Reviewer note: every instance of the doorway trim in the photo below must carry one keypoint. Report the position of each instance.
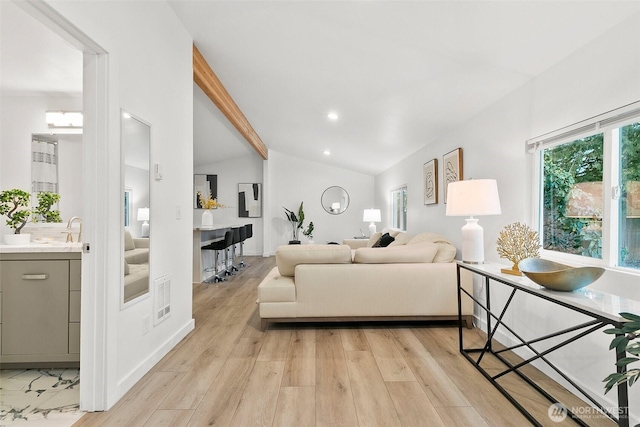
(94, 303)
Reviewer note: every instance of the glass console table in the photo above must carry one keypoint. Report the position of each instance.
(602, 310)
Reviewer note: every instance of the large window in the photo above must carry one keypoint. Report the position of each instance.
(572, 197)
(629, 215)
(589, 201)
(399, 208)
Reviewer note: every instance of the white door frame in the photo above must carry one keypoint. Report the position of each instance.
(93, 351)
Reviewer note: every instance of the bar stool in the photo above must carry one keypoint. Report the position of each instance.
(218, 246)
(243, 237)
(248, 233)
(236, 239)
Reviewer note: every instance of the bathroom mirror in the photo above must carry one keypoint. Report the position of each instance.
(136, 141)
(335, 200)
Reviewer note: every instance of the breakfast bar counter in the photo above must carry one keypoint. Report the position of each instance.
(203, 236)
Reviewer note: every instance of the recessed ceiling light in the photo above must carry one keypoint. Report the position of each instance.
(126, 115)
(332, 115)
(327, 152)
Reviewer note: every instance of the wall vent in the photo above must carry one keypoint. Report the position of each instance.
(162, 298)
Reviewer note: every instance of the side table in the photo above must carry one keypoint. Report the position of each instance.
(600, 312)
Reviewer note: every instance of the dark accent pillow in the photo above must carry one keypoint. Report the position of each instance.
(383, 241)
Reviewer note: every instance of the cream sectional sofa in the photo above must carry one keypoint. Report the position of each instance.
(136, 266)
(413, 279)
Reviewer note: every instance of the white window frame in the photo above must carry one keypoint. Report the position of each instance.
(393, 212)
(607, 124)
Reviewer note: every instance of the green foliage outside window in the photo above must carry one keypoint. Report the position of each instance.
(564, 166)
(581, 161)
(629, 232)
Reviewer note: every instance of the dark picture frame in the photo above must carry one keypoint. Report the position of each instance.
(205, 184)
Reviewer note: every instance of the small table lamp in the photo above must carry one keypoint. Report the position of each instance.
(372, 216)
(143, 215)
(473, 197)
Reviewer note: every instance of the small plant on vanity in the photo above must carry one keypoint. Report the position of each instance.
(12, 204)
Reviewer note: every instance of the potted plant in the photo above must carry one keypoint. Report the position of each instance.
(626, 340)
(309, 232)
(43, 211)
(12, 204)
(296, 223)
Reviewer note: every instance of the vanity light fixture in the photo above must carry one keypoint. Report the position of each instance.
(64, 122)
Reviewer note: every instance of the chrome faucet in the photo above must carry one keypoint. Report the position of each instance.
(69, 235)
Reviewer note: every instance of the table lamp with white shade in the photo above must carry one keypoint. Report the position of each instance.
(372, 216)
(143, 215)
(473, 197)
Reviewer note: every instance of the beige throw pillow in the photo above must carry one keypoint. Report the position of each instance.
(128, 241)
(373, 239)
(401, 238)
(446, 249)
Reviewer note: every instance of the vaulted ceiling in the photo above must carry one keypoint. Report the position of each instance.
(399, 74)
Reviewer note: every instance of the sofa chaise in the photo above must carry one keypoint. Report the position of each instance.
(136, 266)
(413, 278)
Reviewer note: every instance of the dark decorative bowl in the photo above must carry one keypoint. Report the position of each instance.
(559, 277)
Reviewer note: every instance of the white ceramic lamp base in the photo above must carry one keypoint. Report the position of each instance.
(372, 229)
(145, 229)
(472, 242)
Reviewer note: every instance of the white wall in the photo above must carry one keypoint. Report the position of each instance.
(603, 75)
(22, 116)
(149, 74)
(231, 172)
(137, 180)
(290, 180)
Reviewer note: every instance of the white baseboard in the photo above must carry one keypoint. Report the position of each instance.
(139, 371)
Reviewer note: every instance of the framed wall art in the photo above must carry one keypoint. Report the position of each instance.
(430, 182)
(250, 200)
(207, 185)
(452, 168)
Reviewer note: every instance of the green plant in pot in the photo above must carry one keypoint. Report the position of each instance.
(309, 232)
(13, 205)
(43, 211)
(626, 340)
(296, 221)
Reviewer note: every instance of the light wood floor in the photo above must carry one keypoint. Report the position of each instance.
(229, 373)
